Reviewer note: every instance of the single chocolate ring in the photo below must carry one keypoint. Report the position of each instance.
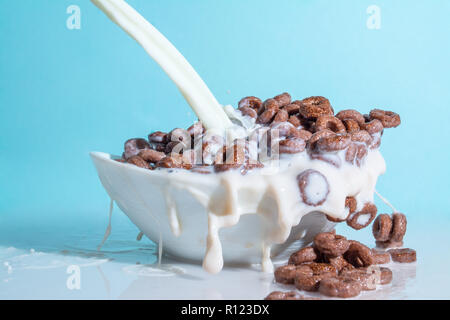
(330, 122)
(333, 143)
(285, 274)
(317, 136)
(382, 227)
(352, 115)
(351, 125)
(247, 111)
(138, 161)
(363, 218)
(389, 119)
(380, 257)
(313, 107)
(339, 287)
(251, 102)
(398, 227)
(331, 244)
(308, 181)
(404, 255)
(292, 145)
(307, 254)
(283, 99)
(359, 255)
(373, 126)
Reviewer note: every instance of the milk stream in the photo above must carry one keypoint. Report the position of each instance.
(191, 86)
(386, 202)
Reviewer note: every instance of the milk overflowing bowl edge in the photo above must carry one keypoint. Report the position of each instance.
(258, 224)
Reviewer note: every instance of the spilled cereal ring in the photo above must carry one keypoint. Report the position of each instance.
(382, 227)
(398, 227)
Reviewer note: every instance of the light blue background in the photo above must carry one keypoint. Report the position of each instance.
(65, 92)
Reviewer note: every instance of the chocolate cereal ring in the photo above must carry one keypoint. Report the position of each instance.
(251, 102)
(321, 268)
(361, 136)
(374, 126)
(158, 137)
(382, 227)
(305, 279)
(313, 107)
(289, 295)
(351, 125)
(169, 162)
(365, 278)
(359, 255)
(247, 111)
(309, 275)
(281, 116)
(303, 255)
(313, 186)
(389, 244)
(355, 154)
(404, 255)
(285, 129)
(266, 116)
(151, 155)
(138, 161)
(270, 104)
(376, 140)
(363, 218)
(350, 203)
(398, 227)
(283, 99)
(340, 287)
(351, 152)
(302, 134)
(330, 122)
(285, 274)
(361, 153)
(389, 119)
(380, 257)
(276, 295)
(292, 108)
(317, 136)
(352, 115)
(333, 143)
(331, 244)
(294, 120)
(133, 146)
(291, 145)
(339, 263)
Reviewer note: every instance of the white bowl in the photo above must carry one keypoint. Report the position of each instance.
(140, 194)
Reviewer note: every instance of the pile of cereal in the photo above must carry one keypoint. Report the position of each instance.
(337, 267)
(307, 125)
